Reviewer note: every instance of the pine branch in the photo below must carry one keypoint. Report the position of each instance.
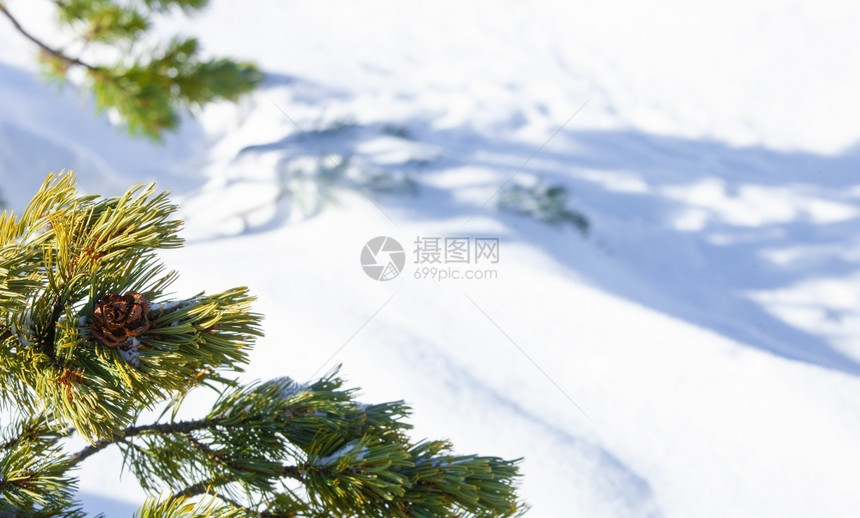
(147, 88)
(132, 431)
(94, 301)
(45, 47)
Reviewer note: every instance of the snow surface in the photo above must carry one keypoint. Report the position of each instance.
(696, 355)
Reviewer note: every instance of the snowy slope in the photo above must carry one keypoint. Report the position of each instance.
(696, 355)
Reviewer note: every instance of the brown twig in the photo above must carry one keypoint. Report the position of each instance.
(50, 50)
(50, 335)
(132, 431)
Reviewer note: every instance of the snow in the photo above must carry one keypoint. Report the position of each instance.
(348, 448)
(288, 387)
(707, 326)
(131, 352)
(167, 307)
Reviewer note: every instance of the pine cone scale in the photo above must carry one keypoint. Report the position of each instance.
(116, 318)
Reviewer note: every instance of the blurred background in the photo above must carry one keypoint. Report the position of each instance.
(671, 323)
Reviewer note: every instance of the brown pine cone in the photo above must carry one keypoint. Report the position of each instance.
(117, 318)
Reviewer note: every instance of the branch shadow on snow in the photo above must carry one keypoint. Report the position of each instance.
(687, 227)
(724, 237)
(693, 228)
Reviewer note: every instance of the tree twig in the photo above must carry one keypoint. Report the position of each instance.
(132, 431)
(50, 50)
(261, 514)
(200, 488)
(293, 472)
(51, 333)
(204, 486)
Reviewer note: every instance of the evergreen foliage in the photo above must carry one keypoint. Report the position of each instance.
(146, 85)
(71, 263)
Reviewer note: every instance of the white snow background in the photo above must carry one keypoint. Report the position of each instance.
(696, 355)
